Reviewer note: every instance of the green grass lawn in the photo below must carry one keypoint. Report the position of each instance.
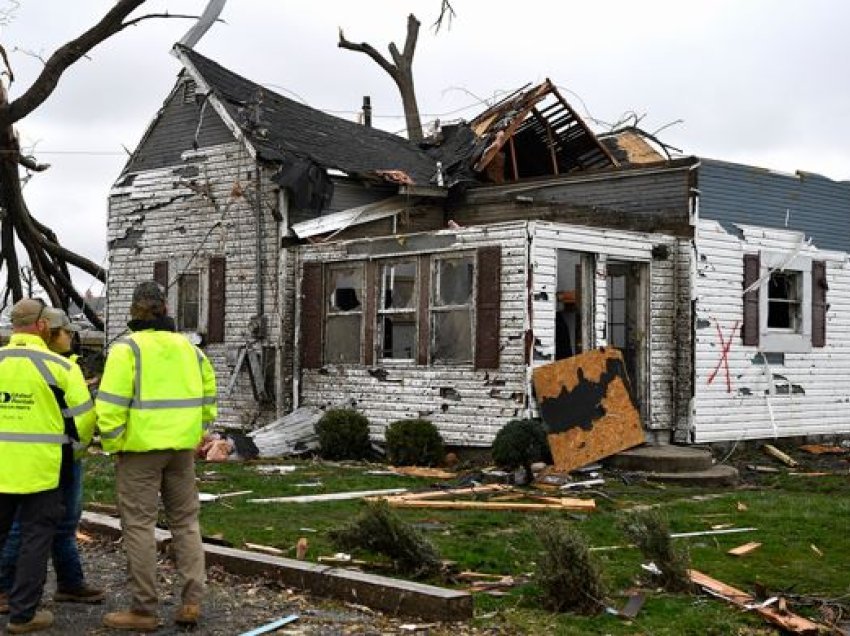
(792, 514)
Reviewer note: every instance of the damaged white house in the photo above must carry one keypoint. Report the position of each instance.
(323, 263)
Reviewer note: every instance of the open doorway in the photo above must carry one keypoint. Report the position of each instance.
(573, 304)
(627, 322)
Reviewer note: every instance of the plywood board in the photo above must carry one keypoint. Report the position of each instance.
(585, 402)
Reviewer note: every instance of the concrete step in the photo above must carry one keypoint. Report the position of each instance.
(662, 458)
(718, 475)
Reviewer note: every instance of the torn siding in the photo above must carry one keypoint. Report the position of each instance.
(468, 406)
(777, 393)
(168, 220)
(668, 293)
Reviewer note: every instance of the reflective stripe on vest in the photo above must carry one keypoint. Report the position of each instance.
(114, 433)
(86, 406)
(35, 438)
(39, 359)
(136, 402)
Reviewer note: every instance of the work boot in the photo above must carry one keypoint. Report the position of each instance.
(131, 621)
(81, 594)
(41, 620)
(4, 603)
(188, 614)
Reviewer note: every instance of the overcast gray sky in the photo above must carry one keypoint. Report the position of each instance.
(760, 82)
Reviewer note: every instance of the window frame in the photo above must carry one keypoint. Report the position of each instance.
(381, 312)
(470, 306)
(328, 312)
(781, 339)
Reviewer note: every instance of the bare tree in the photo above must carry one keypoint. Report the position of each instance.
(48, 258)
(400, 69)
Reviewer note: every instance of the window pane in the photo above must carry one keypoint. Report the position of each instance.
(342, 340)
(452, 336)
(399, 336)
(188, 301)
(399, 285)
(784, 306)
(454, 281)
(346, 288)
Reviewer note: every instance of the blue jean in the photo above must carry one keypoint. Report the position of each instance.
(66, 557)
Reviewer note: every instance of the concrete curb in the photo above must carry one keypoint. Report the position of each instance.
(388, 595)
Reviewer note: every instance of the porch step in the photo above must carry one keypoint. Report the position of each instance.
(662, 458)
(682, 465)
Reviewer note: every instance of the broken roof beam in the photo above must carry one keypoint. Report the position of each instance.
(339, 221)
(545, 123)
(584, 126)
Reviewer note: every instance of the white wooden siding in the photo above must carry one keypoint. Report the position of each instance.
(753, 407)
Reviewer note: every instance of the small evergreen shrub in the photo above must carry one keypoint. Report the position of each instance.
(649, 531)
(414, 443)
(567, 573)
(380, 530)
(520, 443)
(343, 434)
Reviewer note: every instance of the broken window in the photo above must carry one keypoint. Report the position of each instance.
(188, 301)
(785, 301)
(397, 311)
(451, 309)
(572, 309)
(344, 311)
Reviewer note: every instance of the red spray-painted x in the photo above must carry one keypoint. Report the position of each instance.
(724, 355)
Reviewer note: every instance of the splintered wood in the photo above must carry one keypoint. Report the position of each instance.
(587, 408)
(434, 499)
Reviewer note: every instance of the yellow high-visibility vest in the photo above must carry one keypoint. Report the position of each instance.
(157, 392)
(43, 397)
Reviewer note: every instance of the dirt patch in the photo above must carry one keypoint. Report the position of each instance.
(233, 604)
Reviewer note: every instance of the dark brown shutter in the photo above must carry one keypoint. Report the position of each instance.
(424, 318)
(750, 330)
(370, 312)
(215, 304)
(819, 287)
(311, 316)
(487, 306)
(160, 273)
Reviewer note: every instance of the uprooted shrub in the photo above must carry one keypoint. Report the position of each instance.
(567, 573)
(520, 443)
(380, 530)
(650, 532)
(343, 434)
(414, 443)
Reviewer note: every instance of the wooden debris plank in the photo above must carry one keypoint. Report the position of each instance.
(436, 494)
(823, 449)
(423, 471)
(771, 450)
(585, 402)
(565, 504)
(746, 548)
(332, 496)
(788, 621)
(256, 547)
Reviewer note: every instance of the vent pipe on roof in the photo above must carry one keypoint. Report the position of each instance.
(367, 111)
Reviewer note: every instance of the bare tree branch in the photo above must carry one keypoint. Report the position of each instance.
(369, 50)
(447, 13)
(30, 164)
(6, 64)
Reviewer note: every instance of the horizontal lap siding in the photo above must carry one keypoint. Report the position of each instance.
(745, 411)
(669, 329)
(468, 406)
(165, 219)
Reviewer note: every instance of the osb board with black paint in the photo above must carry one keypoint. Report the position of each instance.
(587, 408)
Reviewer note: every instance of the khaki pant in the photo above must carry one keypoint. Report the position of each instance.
(141, 478)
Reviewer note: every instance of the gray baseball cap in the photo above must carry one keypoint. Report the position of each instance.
(58, 319)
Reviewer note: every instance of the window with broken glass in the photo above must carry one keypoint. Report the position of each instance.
(451, 309)
(344, 311)
(397, 310)
(188, 301)
(785, 301)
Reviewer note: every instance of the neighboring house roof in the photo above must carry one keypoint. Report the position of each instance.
(284, 130)
(813, 204)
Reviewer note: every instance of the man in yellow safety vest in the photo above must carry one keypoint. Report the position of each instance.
(44, 407)
(157, 395)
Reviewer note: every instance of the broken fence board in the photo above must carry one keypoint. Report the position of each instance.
(788, 621)
(565, 504)
(332, 496)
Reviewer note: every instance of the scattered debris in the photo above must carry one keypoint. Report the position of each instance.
(786, 620)
(276, 469)
(222, 447)
(273, 626)
(82, 537)
(433, 499)
(332, 496)
(650, 531)
(422, 471)
(676, 535)
(771, 450)
(570, 393)
(823, 449)
(266, 549)
(763, 469)
(577, 485)
(301, 548)
(741, 506)
(293, 434)
(744, 549)
(816, 550)
(633, 606)
(309, 484)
